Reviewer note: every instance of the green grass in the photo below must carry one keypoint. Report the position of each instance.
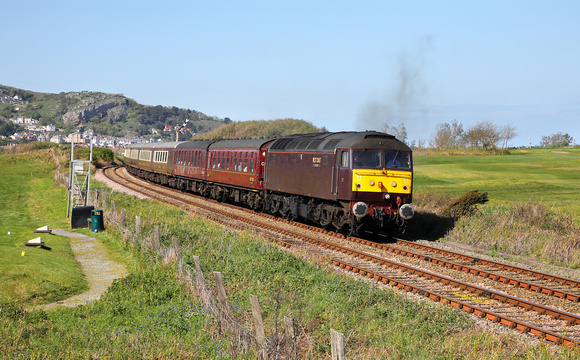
(150, 315)
(531, 175)
(28, 200)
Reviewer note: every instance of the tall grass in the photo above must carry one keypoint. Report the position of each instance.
(528, 229)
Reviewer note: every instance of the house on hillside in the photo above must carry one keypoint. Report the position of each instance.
(58, 139)
(76, 138)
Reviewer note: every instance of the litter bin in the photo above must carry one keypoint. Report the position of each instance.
(96, 220)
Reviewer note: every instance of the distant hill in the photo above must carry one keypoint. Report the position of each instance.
(106, 114)
(260, 129)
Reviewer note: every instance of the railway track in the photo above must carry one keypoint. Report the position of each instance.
(544, 305)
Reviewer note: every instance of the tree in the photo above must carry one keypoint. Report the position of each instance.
(400, 132)
(556, 140)
(8, 128)
(507, 133)
(448, 136)
(483, 135)
(6, 110)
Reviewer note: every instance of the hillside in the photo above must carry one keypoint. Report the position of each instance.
(106, 114)
(260, 129)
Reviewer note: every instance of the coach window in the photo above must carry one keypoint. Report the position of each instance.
(252, 165)
(228, 162)
(245, 165)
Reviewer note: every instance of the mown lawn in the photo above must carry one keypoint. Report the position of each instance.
(29, 200)
(548, 176)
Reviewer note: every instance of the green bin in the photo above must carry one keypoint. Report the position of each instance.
(96, 220)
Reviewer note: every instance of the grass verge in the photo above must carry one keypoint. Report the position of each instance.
(28, 200)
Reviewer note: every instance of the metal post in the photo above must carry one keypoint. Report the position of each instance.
(70, 182)
(88, 200)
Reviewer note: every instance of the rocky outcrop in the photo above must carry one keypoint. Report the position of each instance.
(88, 108)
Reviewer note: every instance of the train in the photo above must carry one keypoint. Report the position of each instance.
(348, 182)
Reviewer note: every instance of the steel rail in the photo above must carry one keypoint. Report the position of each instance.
(522, 284)
(519, 270)
(470, 309)
(571, 319)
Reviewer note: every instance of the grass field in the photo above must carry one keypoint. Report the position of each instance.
(28, 200)
(149, 315)
(547, 176)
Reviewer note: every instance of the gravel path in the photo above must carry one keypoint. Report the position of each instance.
(100, 270)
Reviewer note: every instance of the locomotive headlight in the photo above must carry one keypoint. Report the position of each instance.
(358, 186)
(387, 196)
(394, 184)
(405, 188)
(371, 183)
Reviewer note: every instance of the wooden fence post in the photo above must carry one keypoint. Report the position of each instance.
(155, 237)
(113, 208)
(258, 322)
(123, 218)
(175, 246)
(290, 335)
(200, 281)
(337, 345)
(137, 225)
(225, 308)
(104, 199)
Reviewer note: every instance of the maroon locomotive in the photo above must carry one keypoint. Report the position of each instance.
(346, 181)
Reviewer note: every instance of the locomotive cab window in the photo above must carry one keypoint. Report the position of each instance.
(397, 159)
(366, 159)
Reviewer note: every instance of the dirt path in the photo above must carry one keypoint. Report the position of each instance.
(100, 270)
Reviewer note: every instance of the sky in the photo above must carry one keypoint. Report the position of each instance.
(343, 65)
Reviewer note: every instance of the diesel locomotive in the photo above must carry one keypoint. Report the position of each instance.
(343, 181)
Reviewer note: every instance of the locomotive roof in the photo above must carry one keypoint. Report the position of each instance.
(329, 141)
(240, 144)
(198, 144)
